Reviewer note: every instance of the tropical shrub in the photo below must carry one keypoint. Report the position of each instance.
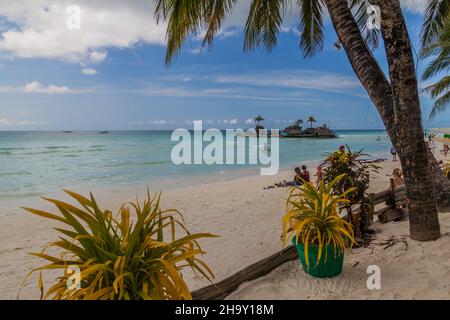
(355, 170)
(312, 217)
(131, 256)
(356, 173)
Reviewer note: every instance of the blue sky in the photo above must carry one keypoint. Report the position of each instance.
(110, 74)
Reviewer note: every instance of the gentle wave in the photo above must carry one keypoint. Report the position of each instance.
(49, 151)
(135, 164)
(57, 147)
(17, 173)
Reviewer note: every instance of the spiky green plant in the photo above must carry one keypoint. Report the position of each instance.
(312, 216)
(125, 257)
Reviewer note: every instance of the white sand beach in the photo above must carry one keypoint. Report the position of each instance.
(248, 219)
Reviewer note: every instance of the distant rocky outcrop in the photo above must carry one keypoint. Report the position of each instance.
(296, 132)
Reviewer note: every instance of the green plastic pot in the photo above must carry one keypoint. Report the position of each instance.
(327, 268)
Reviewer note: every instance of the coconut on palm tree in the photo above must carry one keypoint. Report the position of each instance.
(440, 50)
(311, 120)
(395, 96)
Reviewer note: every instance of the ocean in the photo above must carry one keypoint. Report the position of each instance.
(36, 163)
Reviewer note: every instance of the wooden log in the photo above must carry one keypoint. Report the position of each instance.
(400, 192)
(392, 215)
(382, 197)
(225, 287)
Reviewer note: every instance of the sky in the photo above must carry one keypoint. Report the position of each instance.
(109, 74)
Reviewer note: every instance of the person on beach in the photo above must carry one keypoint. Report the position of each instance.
(298, 177)
(394, 154)
(305, 174)
(397, 174)
(297, 181)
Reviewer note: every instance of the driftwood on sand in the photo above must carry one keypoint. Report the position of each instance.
(225, 287)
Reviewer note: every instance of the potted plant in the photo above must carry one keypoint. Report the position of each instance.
(319, 233)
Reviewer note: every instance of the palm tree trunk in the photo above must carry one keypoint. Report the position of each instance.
(424, 223)
(413, 152)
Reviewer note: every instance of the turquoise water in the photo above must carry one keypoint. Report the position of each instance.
(32, 163)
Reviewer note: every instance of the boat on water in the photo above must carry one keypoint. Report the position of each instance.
(103, 132)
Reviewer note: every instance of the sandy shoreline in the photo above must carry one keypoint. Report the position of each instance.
(246, 216)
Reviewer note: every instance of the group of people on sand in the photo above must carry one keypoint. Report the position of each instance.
(301, 176)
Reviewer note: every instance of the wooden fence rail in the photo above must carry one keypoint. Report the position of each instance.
(261, 268)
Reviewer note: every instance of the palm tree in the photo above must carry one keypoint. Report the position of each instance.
(440, 49)
(298, 123)
(396, 98)
(311, 120)
(258, 119)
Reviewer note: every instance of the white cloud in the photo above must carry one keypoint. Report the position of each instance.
(414, 6)
(96, 56)
(297, 79)
(7, 122)
(89, 71)
(234, 121)
(196, 51)
(249, 121)
(41, 28)
(37, 87)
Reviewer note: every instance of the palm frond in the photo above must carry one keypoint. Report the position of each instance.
(215, 12)
(440, 104)
(438, 88)
(437, 12)
(361, 9)
(311, 26)
(263, 23)
(184, 17)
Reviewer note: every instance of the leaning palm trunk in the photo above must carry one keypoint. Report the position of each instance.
(402, 120)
